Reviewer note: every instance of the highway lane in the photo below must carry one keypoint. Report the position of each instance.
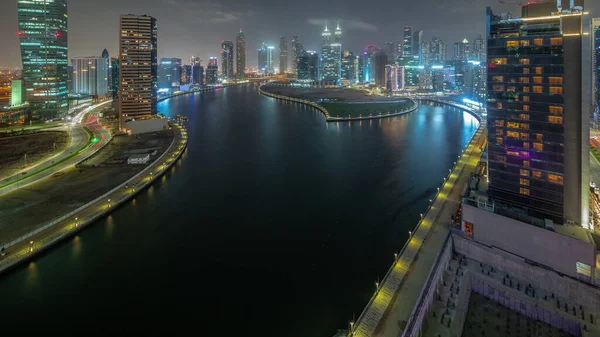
(74, 153)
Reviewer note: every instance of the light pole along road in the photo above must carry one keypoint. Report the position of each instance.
(85, 140)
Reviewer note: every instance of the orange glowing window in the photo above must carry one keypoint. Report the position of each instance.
(526, 163)
(539, 70)
(524, 79)
(499, 122)
(498, 78)
(556, 109)
(525, 89)
(555, 178)
(526, 145)
(524, 61)
(539, 137)
(555, 119)
(524, 191)
(512, 153)
(469, 228)
(538, 42)
(499, 60)
(556, 90)
(556, 41)
(555, 80)
(537, 89)
(537, 174)
(524, 173)
(512, 43)
(524, 182)
(525, 71)
(513, 134)
(537, 79)
(499, 132)
(511, 89)
(498, 87)
(525, 98)
(526, 108)
(524, 135)
(524, 43)
(499, 140)
(499, 105)
(538, 146)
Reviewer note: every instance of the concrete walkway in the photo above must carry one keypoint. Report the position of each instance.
(389, 310)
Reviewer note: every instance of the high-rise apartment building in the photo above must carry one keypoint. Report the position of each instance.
(43, 41)
(240, 56)
(297, 50)
(195, 66)
(18, 96)
(90, 76)
(138, 73)
(227, 60)
(106, 58)
(407, 45)
(169, 73)
(212, 71)
(537, 129)
(394, 76)
(283, 55)
(461, 50)
(270, 60)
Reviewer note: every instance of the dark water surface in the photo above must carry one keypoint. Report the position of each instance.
(274, 223)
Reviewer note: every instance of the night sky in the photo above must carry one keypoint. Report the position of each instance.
(188, 27)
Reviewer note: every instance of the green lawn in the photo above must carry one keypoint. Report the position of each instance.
(365, 109)
(595, 153)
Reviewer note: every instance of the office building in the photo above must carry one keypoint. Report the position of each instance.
(227, 60)
(114, 70)
(194, 65)
(138, 73)
(390, 50)
(461, 51)
(283, 55)
(479, 50)
(308, 66)
(262, 59)
(437, 51)
(331, 55)
(348, 66)
(380, 62)
(474, 81)
(106, 56)
(538, 135)
(297, 50)
(18, 95)
(186, 74)
(595, 46)
(169, 73)
(212, 71)
(240, 56)
(43, 41)
(90, 76)
(394, 77)
(417, 40)
(425, 58)
(270, 60)
(407, 45)
(412, 68)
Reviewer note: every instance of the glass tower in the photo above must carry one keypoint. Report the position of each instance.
(537, 144)
(240, 56)
(407, 45)
(43, 40)
(283, 55)
(227, 60)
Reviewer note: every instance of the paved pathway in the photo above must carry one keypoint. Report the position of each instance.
(97, 208)
(388, 311)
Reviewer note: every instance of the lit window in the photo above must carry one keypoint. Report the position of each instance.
(512, 43)
(524, 182)
(539, 70)
(499, 140)
(539, 137)
(556, 90)
(499, 132)
(556, 109)
(499, 60)
(513, 134)
(538, 42)
(498, 87)
(524, 173)
(499, 122)
(525, 89)
(538, 146)
(524, 79)
(524, 116)
(525, 98)
(555, 119)
(555, 80)
(537, 89)
(499, 105)
(537, 79)
(512, 153)
(498, 78)
(526, 163)
(511, 89)
(524, 61)
(556, 41)
(526, 145)
(524, 135)
(555, 178)
(525, 71)
(526, 108)
(524, 191)
(536, 174)
(524, 43)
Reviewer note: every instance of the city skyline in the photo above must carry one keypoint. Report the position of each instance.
(177, 39)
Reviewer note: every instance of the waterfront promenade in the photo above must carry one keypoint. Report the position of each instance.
(37, 241)
(388, 310)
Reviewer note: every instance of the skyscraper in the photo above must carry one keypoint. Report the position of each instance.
(538, 132)
(296, 51)
(194, 67)
(416, 43)
(138, 71)
(270, 60)
(332, 55)
(90, 76)
(169, 73)
(595, 35)
(308, 66)
(407, 45)
(212, 71)
(438, 51)
(348, 64)
(479, 50)
(394, 76)
(115, 71)
(283, 55)
(43, 40)
(240, 56)
(227, 60)
(461, 51)
(106, 58)
(262, 59)
(380, 62)
(390, 50)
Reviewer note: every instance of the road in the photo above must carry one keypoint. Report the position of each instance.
(79, 148)
(72, 222)
(388, 311)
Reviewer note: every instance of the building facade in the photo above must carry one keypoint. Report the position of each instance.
(538, 137)
(417, 41)
(348, 66)
(240, 56)
(227, 60)
(43, 41)
(283, 55)
(114, 70)
(308, 66)
(138, 73)
(212, 71)
(331, 63)
(297, 50)
(169, 73)
(437, 51)
(90, 76)
(407, 45)
(394, 78)
(380, 62)
(461, 50)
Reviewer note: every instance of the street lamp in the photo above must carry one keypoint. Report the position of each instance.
(31, 246)
(409, 234)
(76, 223)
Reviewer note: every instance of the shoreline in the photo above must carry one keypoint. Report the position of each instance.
(24, 254)
(324, 111)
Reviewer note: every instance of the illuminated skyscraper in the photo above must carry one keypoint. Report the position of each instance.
(270, 60)
(283, 55)
(538, 135)
(416, 43)
(394, 76)
(297, 50)
(381, 61)
(169, 73)
(407, 45)
(595, 35)
(332, 55)
(479, 50)
(262, 59)
(308, 66)
(212, 71)
(348, 64)
(90, 76)
(43, 40)
(390, 50)
(438, 51)
(227, 60)
(240, 56)
(114, 70)
(461, 51)
(138, 71)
